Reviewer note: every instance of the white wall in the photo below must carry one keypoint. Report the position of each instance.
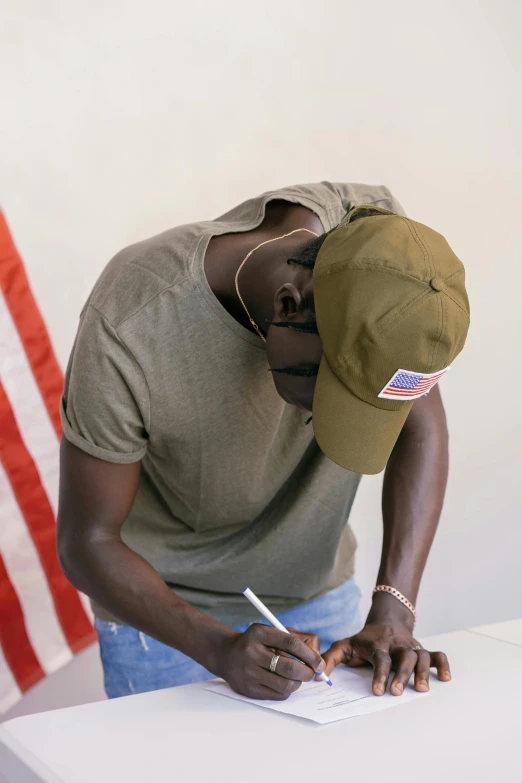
(122, 118)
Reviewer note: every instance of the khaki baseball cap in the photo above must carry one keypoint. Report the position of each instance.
(392, 314)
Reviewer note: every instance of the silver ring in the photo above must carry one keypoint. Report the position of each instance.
(417, 648)
(273, 663)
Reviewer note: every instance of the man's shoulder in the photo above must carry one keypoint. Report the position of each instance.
(350, 194)
(331, 200)
(141, 271)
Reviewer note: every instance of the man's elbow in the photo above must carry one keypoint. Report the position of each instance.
(71, 552)
(66, 557)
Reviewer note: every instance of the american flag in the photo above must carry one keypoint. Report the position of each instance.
(44, 621)
(408, 385)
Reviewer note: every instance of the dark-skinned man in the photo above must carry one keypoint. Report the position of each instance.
(189, 466)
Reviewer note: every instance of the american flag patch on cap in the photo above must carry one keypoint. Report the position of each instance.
(408, 385)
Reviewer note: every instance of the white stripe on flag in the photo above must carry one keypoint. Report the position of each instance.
(10, 693)
(87, 606)
(26, 402)
(29, 581)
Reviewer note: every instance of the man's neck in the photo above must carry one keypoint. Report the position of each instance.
(226, 252)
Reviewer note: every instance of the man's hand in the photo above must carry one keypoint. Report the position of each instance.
(244, 661)
(386, 647)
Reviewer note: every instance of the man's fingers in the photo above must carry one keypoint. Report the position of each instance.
(310, 639)
(381, 671)
(289, 668)
(405, 661)
(440, 661)
(339, 652)
(272, 637)
(275, 682)
(422, 671)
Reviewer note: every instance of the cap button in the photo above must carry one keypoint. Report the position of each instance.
(437, 284)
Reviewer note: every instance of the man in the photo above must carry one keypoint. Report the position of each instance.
(189, 472)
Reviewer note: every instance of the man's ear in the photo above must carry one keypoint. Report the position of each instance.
(288, 302)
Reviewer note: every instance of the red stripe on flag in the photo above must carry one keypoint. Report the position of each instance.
(427, 383)
(16, 646)
(414, 389)
(30, 326)
(401, 393)
(39, 518)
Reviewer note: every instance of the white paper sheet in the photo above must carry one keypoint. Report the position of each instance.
(350, 695)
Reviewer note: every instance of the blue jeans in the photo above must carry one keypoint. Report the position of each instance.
(135, 663)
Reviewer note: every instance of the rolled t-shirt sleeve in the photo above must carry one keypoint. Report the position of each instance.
(105, 407)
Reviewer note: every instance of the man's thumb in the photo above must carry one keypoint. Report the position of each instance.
(339, 652)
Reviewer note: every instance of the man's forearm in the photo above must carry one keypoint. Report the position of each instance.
(413, 494)
(127, 586)
(413, 491)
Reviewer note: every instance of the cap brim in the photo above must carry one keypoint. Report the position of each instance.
(353, 434)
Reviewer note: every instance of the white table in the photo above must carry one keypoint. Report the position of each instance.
(468, 730)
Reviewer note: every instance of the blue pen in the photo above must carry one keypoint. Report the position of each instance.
(252, 597)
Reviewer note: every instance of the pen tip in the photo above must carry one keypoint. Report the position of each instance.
(244, 590)
(330, 682)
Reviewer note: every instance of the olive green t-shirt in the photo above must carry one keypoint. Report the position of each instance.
(234, 490)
